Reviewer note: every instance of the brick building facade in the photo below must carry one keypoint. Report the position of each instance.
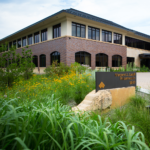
(73, 36)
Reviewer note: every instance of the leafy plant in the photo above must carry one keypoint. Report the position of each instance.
(12, 66)
(26, 65)
(50, 125)
(56, 69)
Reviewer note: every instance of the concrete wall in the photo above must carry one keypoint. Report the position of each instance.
(134, 52)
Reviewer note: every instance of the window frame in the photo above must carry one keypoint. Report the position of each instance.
(58, 30)
(35, 58)
(106, 38)
(36, 37)
(80, 26)
(103, 55)
(44, 35)
(116, 63)
(24, 42)
(10, 43)
(93, 28)
(41, 61)
(14, 42)
(84, 54)
(19, 42)
(29, 36)
(136, 43)
(56, 56)
(117, 35)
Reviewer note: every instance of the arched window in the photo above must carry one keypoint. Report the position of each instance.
(42, 60)
(83, 58)
(55, 56)
(35, 60)
(101, 60)
(116, 61)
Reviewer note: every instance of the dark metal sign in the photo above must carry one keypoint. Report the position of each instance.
(109, 80)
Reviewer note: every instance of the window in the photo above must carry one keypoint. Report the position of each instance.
(42, 60)
(130, 61)
(93, 33)
(78, 30)
(101, 60)
(55, 56)
(10, 45)
(57, 31)
(35, 60)
(106, 36)
(131, 42)
(14, 43)
(30, 39)
(44, 35)
(19, 43)
(116, 61)
(24, 41)
(117, 38)
(83, 58)
(36, 37)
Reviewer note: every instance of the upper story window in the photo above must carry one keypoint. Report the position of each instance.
(106, 36)
(10, 45)
(36, 37)
(57, 31)
(24, 41)
(117, 38)
(44, 35)
(14, 43)
(131, 42)
(30, 39)
(93, 33)
(19, 43)
(78, 30)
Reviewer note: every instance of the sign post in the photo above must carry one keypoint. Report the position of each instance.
(109, 80)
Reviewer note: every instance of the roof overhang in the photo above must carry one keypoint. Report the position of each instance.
(70, 13)
(144, 56)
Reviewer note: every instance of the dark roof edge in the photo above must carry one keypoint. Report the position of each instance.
(33, 24)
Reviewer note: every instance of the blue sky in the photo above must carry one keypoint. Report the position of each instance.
(17, 14)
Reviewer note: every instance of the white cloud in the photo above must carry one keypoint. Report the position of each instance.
(15, 15)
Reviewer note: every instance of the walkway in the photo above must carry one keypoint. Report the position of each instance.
(143, 80)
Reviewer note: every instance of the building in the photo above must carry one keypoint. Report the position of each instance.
(73, 36)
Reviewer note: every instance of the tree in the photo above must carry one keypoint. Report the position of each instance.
(12, 65)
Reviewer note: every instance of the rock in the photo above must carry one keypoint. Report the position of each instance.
(95, 100)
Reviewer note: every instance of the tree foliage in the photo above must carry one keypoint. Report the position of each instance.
(13, 65)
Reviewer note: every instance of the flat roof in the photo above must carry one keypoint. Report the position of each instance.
(83, 15)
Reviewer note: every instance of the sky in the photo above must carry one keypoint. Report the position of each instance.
(17, 14)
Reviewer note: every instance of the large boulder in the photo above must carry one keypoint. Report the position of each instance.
(95, 100)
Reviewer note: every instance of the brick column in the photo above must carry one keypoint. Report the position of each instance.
(93, 61)
(109, 60)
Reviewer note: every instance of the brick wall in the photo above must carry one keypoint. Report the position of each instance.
(68, 46)
(94, 47)
(47, 48)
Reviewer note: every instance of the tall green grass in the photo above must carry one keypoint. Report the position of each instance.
(47, 124)
(134, 113)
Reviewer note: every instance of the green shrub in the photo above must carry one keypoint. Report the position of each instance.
(137, 101)
(144, 69)
(56, 69)
(78, 68)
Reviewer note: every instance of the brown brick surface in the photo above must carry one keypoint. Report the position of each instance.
(67, 47)
(94, 47)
